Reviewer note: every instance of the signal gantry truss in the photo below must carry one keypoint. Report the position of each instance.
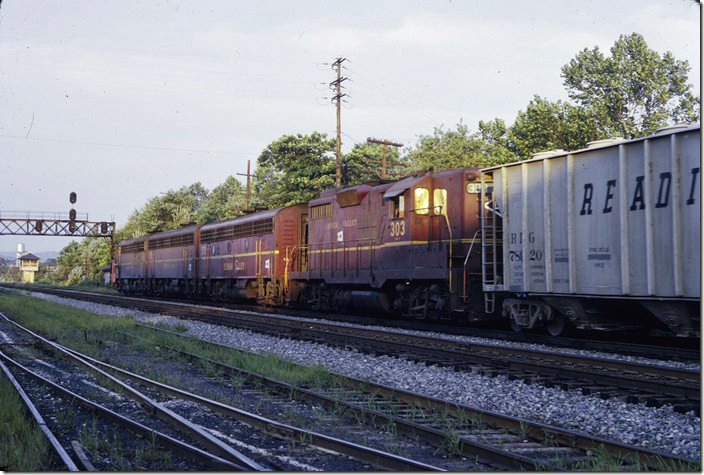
(29, 225)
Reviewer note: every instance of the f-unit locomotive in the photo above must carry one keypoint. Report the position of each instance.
(606, 238)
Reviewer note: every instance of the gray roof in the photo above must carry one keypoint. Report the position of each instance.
(29, 257)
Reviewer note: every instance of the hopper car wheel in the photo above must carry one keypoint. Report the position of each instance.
(515, 326)
(558, 326)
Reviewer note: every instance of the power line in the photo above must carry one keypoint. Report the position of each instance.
(353, 139)
(390, 94)
(144, 147)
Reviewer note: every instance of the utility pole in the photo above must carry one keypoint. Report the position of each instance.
(337, 84)
(384, 142)
(246, 196)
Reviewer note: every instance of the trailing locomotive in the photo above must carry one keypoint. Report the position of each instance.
(226, 260)
(602, 238)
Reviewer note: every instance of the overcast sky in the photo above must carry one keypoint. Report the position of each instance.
(121, 100)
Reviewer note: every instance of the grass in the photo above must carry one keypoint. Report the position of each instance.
(88, 285)
(23, 447)
(267, 365)
(453, 442)
(26, 449)
(66, 417)
(87, 332)
(103, 445)
(602, 461)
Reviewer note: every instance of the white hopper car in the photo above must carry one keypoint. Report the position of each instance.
(604, 238)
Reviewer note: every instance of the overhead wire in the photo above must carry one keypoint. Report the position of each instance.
(143, 147)
(384, 90)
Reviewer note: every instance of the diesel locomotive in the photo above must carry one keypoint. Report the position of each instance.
(601, 238)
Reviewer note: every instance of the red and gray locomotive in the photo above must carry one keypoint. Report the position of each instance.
(606, 237)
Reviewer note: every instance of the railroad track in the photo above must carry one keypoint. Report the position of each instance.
(218, 454)
(496, 441)
(636, 383)
(70, 407)
(679, 349)
(494, 438)
(652, 347)
(662, 347)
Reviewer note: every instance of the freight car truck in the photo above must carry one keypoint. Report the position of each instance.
(605, 238)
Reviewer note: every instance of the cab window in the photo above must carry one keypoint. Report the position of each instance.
(396, 207)
(421, 200)
(440, 201)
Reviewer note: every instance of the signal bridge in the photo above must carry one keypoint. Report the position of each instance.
(43, 223)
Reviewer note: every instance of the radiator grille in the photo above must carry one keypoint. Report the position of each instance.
(236, 231)
(132, 248)
(171, 241)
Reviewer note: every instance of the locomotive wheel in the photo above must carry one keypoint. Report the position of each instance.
(558, 326)
(419, 304)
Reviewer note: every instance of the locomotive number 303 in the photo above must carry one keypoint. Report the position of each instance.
(398, 228)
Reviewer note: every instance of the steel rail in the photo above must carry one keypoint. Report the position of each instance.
(213, 461)
(378, 458)
(607, 345)
(212, 443)
(50, 437)
(437, 437)
(534, 430)
(416, 340)
(663, 380)
(581, 367)
(680, 383)
(643, 350)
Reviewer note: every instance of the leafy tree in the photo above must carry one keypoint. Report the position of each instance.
(69, 258)
(80, 261)
(495, 141)
(294, 169)
(634, 91)
(363, 163)
(546, 125)
(225, 201)
(131, 228)
(9, 274)
(169, 211)
(446, 149)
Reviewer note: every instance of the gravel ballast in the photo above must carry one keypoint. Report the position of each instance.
(655, 428)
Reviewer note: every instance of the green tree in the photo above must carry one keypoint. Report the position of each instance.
(446, 149)
(495, 142)
(69, 258)
(294, 169)
(546, 125)
(131, 228)
(80, 261)
(634, 91)
(169, 211)
(225, 201)
(363, 163)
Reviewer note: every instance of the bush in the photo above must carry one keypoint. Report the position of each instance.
(76, 276)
